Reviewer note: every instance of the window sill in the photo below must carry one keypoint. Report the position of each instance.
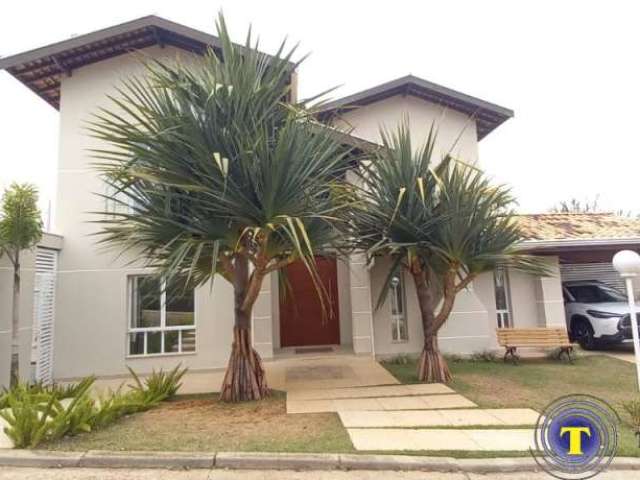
(157, 355)
(400, 341)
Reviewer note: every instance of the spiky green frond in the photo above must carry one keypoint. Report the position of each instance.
(213, 161)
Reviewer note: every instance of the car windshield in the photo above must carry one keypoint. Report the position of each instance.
(595, 294)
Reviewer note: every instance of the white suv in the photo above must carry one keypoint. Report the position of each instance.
(597, 314)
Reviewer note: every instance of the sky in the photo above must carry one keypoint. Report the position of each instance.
(569, 70)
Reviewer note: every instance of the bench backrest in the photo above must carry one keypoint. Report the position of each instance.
(538, 337)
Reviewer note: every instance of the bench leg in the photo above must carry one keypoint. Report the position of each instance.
(511, 352)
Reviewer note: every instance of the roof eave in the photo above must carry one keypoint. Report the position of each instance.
(411, 85)
(560, 244)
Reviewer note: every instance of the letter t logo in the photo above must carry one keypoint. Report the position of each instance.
(575, 438)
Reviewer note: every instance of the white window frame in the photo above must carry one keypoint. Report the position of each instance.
(116, 203)
(398, 318)
(162, 328)
(504, 317)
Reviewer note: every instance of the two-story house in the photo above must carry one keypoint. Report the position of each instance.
(88, 302)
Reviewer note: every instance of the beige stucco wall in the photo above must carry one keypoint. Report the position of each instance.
(537, 301)
(92, 316)
(91, 304)
(456, 131)
(469, 329)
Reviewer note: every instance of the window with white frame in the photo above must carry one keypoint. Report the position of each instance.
(162, 320)
(399, 329)
(503, 297)
(116, 202)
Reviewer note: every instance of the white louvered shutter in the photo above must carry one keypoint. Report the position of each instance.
(44, 313)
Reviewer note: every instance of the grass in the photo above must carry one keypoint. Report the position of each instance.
(202, 423)
(534, 383)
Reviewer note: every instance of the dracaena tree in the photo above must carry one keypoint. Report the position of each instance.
(440, 220)
(221, 174)
(20, 229)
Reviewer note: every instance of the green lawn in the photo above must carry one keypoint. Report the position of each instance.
(535, 383)
(202, 423)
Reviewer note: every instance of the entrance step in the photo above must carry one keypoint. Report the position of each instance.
(392, 439)
(475, 417)
(370, 392)
(416, 402)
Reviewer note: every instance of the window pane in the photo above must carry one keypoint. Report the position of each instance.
(136, 343)
(188, 340)
(145, 302)
(179, 306)
(154, 342)
(171, 340)
(404, 335)
(501, 285)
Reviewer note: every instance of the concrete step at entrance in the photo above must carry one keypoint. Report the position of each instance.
(439, 418)
(391, 439)
(416, 402)
(370, 392)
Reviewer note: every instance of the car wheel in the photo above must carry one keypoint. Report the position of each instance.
(582, 331)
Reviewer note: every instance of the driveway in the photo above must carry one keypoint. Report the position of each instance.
(621, 352)
(8, 473)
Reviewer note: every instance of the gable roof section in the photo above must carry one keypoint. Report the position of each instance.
(41, 69)
(488, 116)
(584, 228)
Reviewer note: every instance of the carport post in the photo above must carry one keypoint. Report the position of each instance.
(627, 263)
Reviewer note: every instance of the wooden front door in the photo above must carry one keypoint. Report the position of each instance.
(301, 319)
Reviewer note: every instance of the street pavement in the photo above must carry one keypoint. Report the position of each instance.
(11, 473)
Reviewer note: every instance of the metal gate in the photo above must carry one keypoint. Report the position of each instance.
(44, 314)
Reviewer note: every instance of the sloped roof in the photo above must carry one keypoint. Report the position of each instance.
(41, 69)
(546, 227)
(488, 115)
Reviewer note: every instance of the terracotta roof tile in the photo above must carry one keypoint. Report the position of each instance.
(578, 226)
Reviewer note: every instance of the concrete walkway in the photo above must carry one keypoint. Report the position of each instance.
(507, 417)
(302, 372)
(433, 439)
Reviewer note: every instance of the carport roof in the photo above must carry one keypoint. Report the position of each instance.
(576, 231)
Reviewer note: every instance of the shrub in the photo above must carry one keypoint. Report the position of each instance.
(28, 416)
(483, 356)
(401, 359)
(632, 407)
(158, 386)
(37, 413)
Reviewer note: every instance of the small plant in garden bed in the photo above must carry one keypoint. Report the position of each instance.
(632, 407)
(36, 413)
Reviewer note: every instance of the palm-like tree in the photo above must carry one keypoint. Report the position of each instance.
(440, 220)
(20, 229)
(222, 176)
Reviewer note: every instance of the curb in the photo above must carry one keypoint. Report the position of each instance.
(275, 461)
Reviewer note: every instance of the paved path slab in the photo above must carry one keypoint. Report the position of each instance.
(439, 418)
(418, 402)
(406, 439)
(369, 392)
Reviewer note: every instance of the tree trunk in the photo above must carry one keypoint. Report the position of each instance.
(15, 324)
(245, 377)
(432, 367)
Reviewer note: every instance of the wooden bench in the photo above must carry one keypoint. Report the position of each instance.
(512, 338)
